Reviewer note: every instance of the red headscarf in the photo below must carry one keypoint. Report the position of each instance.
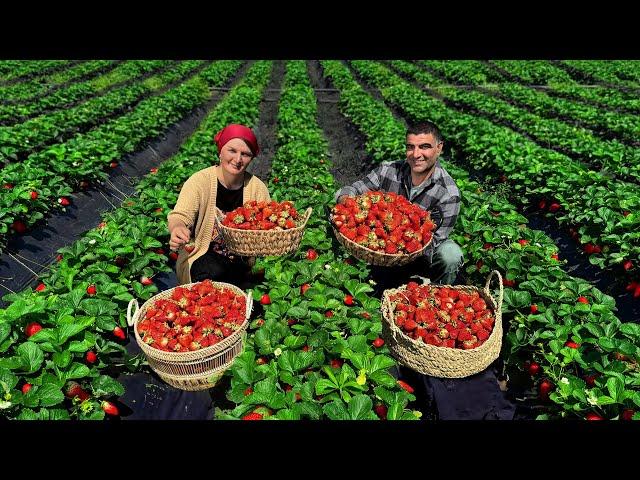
(237, 131)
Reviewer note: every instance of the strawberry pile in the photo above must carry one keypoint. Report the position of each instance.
(442, 316)
(193, 318)
(384, 221)
(271, 215)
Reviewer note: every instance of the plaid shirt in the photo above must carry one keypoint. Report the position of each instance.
(440, 194)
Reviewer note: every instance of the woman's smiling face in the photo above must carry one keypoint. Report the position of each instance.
(235, 156)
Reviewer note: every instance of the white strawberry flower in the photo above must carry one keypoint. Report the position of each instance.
(277, 352)
(92, 241)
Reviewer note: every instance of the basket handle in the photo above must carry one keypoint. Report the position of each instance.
(392, 326)
(501, 288)
(307, 215)
(132, 302)
(249, 304)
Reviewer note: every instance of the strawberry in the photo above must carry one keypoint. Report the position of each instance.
(59, 257)
(405, 386)
(101, 225)
(312, 254)
(590, 380)
(8, 186)
(544, 388)
(366, 315)
(628, 265)
(118, 332)
(253, 415)
(173, 256)
(19, 226)
(73, 390)
(378, 342)
(260, 322)
(261, 361)
(91, 356)
(189, 247)
(304, 288)
(32, 328)
(328, 313)
(523, 242)
(154, 170)
(336, 363)
(381, 411)
(582, 299)
(509, 283)
(624, 214)
(146, 281)
(91, 290)
(83, 184)
(348, 300)
(34, 195)
(248, 391)
(64, 201)
(534, 308)
(554, 207)
(533, 368)
(113, 164)
(627, 414)
(593, 416)
(571, 344)
(542, 204)
(25, 388)
(554, 256)
(109, 408)
(41, 287)
(479, 264)
(265, 299)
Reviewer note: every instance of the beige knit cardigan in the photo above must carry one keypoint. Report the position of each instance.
(196, 206)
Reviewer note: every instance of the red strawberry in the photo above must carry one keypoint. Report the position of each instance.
(583, 299)
(405, 386)
(260, 322)
(118, 332)
(571, 344)
(73, 390)
(381, 411)
(109, 408)
(554, 256)
(252, 416)
(312, 254)
(626, 213)
(41, 287)
(32, 328)
(248, 391)
(275, 180)
(304, 288)
(101, 225)
(306, 348)
(487, 246)
(479, 264)
(533, 368)
(189, 247)
(590, 380)
(8, 186)
(523, 242)
(554, 207)
(265, 299)
(542, 204)
(593, 416)
(378, 342)
(59, 257)
(628, 265)
(154, 170)
(34, 195)
(25, 388)
(91, 356)
(627, 414)
(113, 164)
(91, 290)
(366, 315)
(336, 363)
(19, 226)
(328, 313)
(534, 308)
(173, 256)
(146, 281)
(64, 201)
(544, 388)
(509, 283)
(348, 300)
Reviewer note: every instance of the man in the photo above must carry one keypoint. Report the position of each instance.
(423, 181)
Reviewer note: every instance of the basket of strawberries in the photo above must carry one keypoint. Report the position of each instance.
(191, 334)
(382, 228)
(442, 330)
(263, 228)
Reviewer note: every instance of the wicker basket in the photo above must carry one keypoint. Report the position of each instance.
(198, 370)
(441, 361)
(378, 258)
(260, 243)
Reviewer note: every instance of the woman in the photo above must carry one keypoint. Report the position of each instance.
(226, 186)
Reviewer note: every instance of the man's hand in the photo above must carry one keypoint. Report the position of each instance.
(179, 236)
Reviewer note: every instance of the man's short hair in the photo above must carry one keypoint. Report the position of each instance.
(426, 128)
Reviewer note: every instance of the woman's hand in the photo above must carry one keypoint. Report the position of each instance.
(179, 236)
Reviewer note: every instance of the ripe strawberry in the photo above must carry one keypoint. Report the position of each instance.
(154, 170)
(590, 380)
(534, 308)
(118, 332)
(173, 256)
(261, 361)
(64, 201)
(381, 411)
(336, 363)
(91, 290)
(265, 299)
(328, 313)
(32, 328)
(25, 388)
(554, 256)
(101, 225)
(378, 342)
(593, 416)
(523, 242)
(366, 315)
(554, 207)
(113, 164)
(312, 254)
(304, 288)
(8, 186)
(34, 195)
(542, 204)
(348, 300)
(533, 368)
(405, 386)
(571, 344)
(544, 388)
(248, 391)
(189, 247)
(41, 287)
(628, 265)
(146, 281)
(19, 226)
(252, 416)
(109, 408)
(73, 390)
(509, 283)
(91, 356)
(306, 348)
(487, 246)
(627, 414)
(59, 257)
(626, 213)
(479, 264)
(582, 299)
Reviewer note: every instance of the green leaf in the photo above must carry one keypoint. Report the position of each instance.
(383, 378)
(49, 395)
(287, 361)
(630, 329)
(8, 379)
(5, 330)
(298, 312)
(287, 414)
(358, 343)
(27, 414)
(77, 370)
(517, 298)
(62, 359)
(295, 342)
(96, 307)
(615, 386)
(31, 356)
(65, 332)
(381, 362)
(336, 410)
(360, 408)
(107, 386)
(395, 411)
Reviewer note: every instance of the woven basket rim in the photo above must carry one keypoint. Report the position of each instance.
(239, 231)
(379, 254)
(205, 352)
